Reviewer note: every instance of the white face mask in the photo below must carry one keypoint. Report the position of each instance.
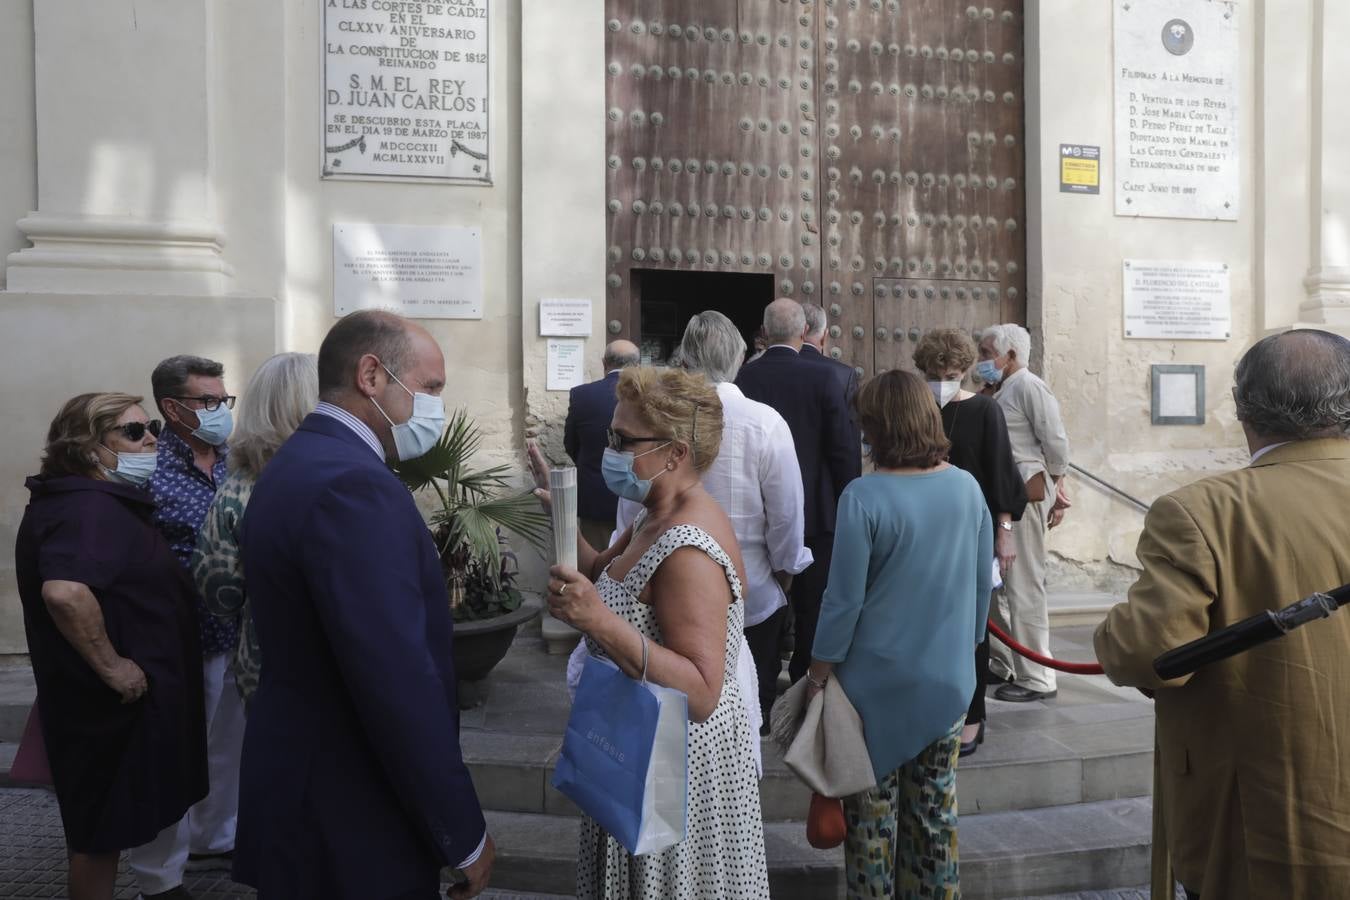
(132, 468)
(420, 433)
(944, 391)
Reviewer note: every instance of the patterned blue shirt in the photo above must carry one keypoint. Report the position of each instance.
(182, 495)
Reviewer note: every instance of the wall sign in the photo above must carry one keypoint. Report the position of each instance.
(405, 89)
(1176, 98)
(566, 364)
(564, 318)
(1183, 301)
(423, 272)
(1080, 169)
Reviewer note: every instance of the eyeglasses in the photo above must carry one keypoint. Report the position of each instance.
(134, 431)
(620, 441)
(209, 403)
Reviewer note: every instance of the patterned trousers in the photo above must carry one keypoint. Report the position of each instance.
(901, 840)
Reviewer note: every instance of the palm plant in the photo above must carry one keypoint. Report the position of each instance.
(475, 505)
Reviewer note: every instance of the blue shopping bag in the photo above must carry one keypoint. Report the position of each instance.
(625, 757)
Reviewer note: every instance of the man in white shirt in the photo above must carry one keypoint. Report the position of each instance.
(757, 481)
(1040, 448)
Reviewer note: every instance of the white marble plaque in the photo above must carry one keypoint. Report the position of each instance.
(564, 318)
(566, 364)
(1176, 142)
(405, 89)
(1176, 395)
(423, 272)
(1177, 300)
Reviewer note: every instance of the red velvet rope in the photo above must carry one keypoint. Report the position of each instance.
(1074, 668)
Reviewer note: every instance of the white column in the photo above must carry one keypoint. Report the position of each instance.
(1328, 281)
(124, 176)
(562, 149)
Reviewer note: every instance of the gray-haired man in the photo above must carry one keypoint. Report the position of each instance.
(1251, 792)
(1041, 450)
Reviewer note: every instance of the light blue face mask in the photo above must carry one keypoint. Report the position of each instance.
(420, 433)
(213, 425)
(616, 466)
(988, 372)
(132, 468)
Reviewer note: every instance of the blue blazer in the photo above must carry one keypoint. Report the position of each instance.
(815, 403)
(589, 411)
(352, 784)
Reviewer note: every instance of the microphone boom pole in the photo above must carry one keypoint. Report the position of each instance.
(1251, 632)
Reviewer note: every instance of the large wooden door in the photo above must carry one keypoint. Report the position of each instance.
(867, 153)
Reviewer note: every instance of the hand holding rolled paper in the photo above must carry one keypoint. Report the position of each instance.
(539, 469)
(562, 490)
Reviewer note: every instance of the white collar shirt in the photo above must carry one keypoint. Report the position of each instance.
(361, 429)
(758, 484)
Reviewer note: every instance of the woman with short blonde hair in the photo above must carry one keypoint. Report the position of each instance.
(677, 403)
(111, 624)
(906, 603)
(668, 593)
(280, 394)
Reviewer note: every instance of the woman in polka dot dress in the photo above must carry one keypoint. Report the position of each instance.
(674, 580)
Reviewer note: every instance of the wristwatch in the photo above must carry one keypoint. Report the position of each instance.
(1006, 526)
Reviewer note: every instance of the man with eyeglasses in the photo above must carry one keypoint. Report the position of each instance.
(191, 396)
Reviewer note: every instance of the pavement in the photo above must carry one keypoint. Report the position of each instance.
(33, 858)
(526, 702)
(33, 861)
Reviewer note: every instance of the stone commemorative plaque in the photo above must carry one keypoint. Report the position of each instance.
(405, 89)
(1177, 300)
(1176, 98)
(418, 271)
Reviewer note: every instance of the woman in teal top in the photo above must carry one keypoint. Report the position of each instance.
(906, 603)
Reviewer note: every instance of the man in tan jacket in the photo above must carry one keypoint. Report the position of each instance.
(1252, 772)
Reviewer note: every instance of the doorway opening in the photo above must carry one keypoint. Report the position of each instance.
(669, 299)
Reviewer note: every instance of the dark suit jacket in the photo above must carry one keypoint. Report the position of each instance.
(589, 411)
(814, 401)
(845, 376)
(352, 784)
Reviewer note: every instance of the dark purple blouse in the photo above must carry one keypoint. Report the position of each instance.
(122, 772)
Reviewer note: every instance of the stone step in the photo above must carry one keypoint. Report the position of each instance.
(1080, 754)
(1013, 854)
(1030, 759)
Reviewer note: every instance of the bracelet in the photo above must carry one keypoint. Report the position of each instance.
(818, 684)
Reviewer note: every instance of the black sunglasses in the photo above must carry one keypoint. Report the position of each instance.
(619, 441)
(134, 431)
(209, 403)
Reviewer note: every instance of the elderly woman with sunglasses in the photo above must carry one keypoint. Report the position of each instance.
(667, 598)
(112, 631)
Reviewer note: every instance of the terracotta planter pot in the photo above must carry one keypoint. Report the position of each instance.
(480, 645)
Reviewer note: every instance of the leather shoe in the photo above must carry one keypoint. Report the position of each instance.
(1015, 693)
(968, 749)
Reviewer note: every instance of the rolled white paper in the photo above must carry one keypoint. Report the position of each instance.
(562, 488)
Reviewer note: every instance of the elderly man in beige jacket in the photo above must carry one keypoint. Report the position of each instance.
(1252, 772)
(1040, 448)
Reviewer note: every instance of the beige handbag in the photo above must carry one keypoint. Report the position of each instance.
(822, 741)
